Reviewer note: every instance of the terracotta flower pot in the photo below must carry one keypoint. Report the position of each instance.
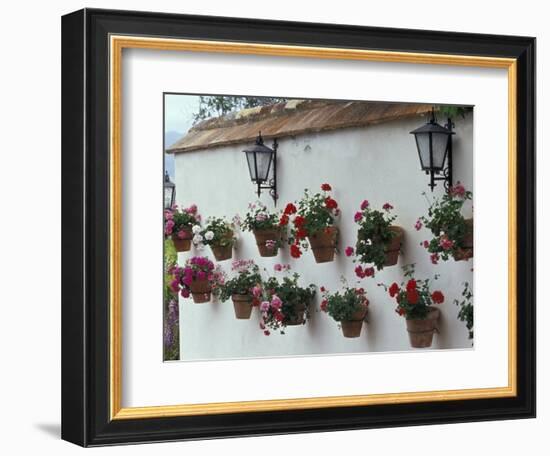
(183, 245)
(421, 332)
(464, 254)
(262, 236)
(392, 249)
(200, 291)
(242, 305)
(352, 328)
(299, 315)
(323, 244)
(225, 252)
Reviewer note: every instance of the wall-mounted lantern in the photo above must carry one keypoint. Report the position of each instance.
(169, 191)
(260, 159)
(435, 145)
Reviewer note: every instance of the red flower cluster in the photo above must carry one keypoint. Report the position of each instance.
(330, 203)
(362, 273)
(290, 209)
(412, 292)
(438, 297)
(393, 290)
(295, 251)
(326, 187)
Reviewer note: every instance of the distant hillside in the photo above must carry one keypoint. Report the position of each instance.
(170, 137)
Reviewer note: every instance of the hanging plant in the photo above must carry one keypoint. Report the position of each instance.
(219, 234)
(199, 278)
(311, 223)
(284, 303)
(178, 225)
(466, 312)
(415, 301)
(265, 227)
(453, 235)
(378, 241)
(348, 307)
(243, 287)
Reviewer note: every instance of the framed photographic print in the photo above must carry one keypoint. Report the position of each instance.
(275, 227)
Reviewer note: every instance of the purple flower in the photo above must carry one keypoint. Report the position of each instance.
(418, 225)
(264, 306)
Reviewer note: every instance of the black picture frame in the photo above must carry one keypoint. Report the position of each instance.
(85, 228)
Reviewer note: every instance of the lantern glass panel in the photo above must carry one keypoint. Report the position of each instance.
(440, 143)
(263, 163)
(168, 196)
(251, 161)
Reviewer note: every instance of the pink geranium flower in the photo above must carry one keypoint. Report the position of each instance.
(358, 216)
(349, 251)
(418, 225)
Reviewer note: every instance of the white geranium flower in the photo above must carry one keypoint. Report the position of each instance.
(209, 235)
(197, 239)
(196, 229)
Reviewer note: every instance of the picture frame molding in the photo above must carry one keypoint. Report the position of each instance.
(92, 43)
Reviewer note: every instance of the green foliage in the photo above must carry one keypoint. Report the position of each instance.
(453, 112)
(342, 305)
(248, 276)
(259, 218)
(374, 235)
(218, 232)
(171, 346)
(466, 312)
(292, 296)
(446, 222)
(218, 105)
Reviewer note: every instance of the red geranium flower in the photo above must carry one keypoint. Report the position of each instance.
(324, 304)
(411, 285)
(387, 206)
(301, 233)
(438, 297)
(394, 289)
(400, 311)
(299, 221)
(326, 187)
(412, 296)
(330, 203)
(290, 209)
(295, 251)
(284, 220)
(359, 272)
(369, 272)
(322, 289)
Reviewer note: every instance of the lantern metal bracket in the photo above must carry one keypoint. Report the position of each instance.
(447, 176)
(272, 183)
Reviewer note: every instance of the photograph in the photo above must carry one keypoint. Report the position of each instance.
(304, 227)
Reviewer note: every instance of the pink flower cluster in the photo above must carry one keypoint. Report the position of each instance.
(196, 268)
(274, 306)
(241, 265)
(281, 267)
(458, 190)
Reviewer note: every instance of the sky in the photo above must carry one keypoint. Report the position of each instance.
(178, 119)
(179, 110)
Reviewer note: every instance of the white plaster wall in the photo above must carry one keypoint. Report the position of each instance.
(378, 163)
